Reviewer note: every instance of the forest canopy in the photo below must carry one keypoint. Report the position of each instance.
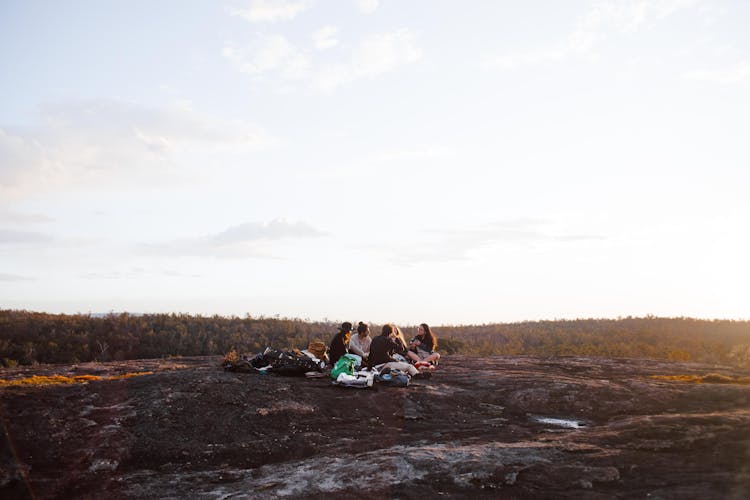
(33, 337)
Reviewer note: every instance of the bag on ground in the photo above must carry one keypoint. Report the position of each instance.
(343, 365)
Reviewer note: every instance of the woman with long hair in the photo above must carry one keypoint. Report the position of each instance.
(359, 344)
(399, 336)
(422, 348)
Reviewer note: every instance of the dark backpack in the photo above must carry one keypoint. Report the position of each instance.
(393, 378)
(285, 362)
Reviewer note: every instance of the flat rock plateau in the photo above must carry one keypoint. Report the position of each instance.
(497, 427)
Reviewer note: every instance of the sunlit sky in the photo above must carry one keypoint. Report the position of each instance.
(376, 160)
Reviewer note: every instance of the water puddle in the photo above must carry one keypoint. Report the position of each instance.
(567, 423)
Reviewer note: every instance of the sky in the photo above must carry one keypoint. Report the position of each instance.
(376, 160)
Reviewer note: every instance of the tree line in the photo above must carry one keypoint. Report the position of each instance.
(33, 337)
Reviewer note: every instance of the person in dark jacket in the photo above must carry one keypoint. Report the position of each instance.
(340, 343)
(422, 347)
(383, 347)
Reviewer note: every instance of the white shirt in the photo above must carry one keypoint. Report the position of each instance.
(360, 346)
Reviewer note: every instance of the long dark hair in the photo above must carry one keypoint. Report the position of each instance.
(429, 335)
(362, 328)
(387, 330)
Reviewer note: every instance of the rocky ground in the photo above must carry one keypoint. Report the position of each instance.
(500, 427)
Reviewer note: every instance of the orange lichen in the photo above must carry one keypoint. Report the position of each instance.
(49, 380)
(709, 378)
(41, 380)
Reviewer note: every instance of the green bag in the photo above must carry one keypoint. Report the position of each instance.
(343, 365)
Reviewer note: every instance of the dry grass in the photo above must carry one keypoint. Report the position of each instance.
(43, 380)
(709, 378)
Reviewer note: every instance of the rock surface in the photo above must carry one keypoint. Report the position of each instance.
(500, 427)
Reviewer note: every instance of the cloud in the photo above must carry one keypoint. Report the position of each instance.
(13, 217)
(738, 73)
(274, 230)
(628, 17)
(592, 28)
(416, 153)
(458, 244)
(136, 272)
(325, 37)
(14, 277)
(259, 11)
(531, 58)
(18, 156)
(95, 142)
(368, 6)
(373, 56)
(269, 54)
(250, 239)
(14, 237)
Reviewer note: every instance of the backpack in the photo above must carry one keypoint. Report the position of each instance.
(393, 378)
(285, 363)
(343, 365)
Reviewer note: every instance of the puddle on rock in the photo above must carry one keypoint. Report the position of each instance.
(568, 423)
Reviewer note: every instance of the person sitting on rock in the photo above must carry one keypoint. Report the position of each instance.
(422, 347)
(398, 336)
(360, 344)
(340, 343)
(382, 350)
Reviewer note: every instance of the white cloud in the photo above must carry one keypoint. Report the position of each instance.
(250, 239)
(738, 73)
(95, 142)
(516, 60)
(137, 273)
(18, 157)
(416, 153)
(375, 55)
(592, 28)
(274, 230)
(459, 244)
(271, 10)
(325, 37)
(384, 52)
(368, 6)
(269, 54)
(13, 217)
(625, 17)
(13, 237)
(14, 277)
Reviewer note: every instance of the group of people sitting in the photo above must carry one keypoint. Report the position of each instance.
(387, 350)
